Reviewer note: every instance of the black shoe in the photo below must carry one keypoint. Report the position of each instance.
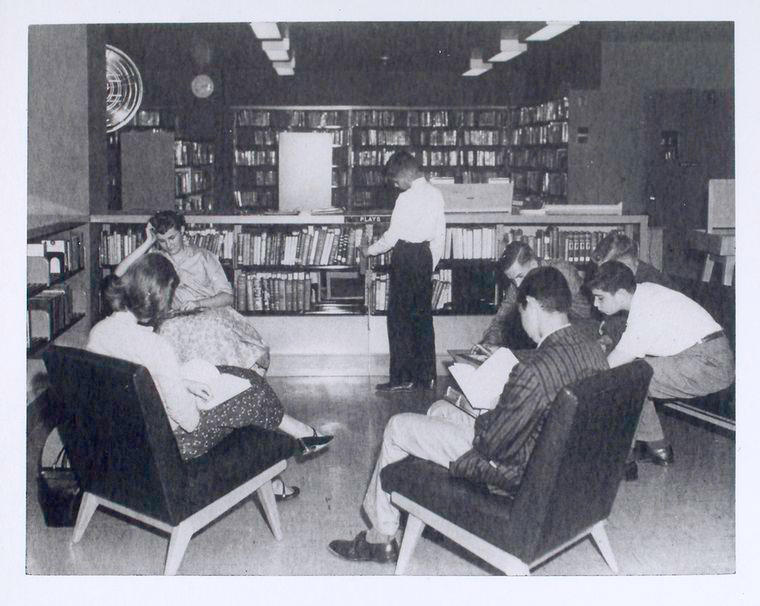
(283, 494)
(312, 444)
(662, 455)
(394, 386)
(631, 471)
(359, 550)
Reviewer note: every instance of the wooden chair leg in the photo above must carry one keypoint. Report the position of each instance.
(412, 534)
(86, 508)
(180, 537)
(266, 496)
(728, 270)
(599, 535)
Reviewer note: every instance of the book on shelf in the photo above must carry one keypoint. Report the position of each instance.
(482, 386)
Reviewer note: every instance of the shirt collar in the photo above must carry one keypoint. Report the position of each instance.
(418, 181)
(551, 333)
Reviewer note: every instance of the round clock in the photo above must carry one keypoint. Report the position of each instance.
(202, 86)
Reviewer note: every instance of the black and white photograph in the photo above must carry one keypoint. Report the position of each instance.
(317, 296)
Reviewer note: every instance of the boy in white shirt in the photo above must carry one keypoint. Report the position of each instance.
(687, 349)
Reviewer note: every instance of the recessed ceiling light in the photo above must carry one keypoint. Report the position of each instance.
(265, 30)
(477, 65)
(550, 30)
(285, 68)
(277, 50)
(509, 49)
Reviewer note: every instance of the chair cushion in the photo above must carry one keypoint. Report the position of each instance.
(243, 454)
(459, 501)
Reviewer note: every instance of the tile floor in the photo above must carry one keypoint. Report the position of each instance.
(672, 521)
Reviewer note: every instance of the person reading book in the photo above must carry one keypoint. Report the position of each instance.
(216, 333)
(140, 297)
(514, 264)
(494, 448)
(686, 348)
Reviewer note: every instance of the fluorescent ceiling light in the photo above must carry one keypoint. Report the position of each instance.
(477, 65)
(551, 29)
(509, 49)
(277, 50)
(266, 30)
(285, 68)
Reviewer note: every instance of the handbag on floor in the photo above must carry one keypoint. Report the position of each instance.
(58, 487)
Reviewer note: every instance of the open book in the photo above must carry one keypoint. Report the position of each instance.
(483, 385)
(222, 386)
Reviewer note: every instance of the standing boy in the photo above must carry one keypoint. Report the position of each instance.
(416, 234)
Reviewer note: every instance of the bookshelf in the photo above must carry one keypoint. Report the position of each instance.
(347, 336)
(537, 154)
(56, 291)
(194, 176)
(255, 141)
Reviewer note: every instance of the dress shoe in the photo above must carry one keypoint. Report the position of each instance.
(313, 443)
(631, 471)
(283, 492)
(360, 550)
(659, 455)
(395, 386)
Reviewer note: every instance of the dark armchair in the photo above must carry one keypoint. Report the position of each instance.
(122, 448)
(567, 491)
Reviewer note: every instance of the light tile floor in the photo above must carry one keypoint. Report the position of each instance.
(677, 520)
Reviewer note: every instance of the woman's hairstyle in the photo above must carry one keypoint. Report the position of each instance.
(165, 220)
(548, 286)
(146, 289)
(614, 246)
(612, 276)
(400, 162)
(518, 252)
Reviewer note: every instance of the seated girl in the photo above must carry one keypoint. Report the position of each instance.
(216, 333)
(140, 298)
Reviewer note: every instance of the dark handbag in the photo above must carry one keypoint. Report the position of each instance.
(59, 492)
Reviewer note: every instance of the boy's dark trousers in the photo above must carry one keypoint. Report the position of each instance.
(410, 318)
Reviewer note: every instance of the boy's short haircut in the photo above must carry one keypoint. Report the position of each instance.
(613, 247)
(613, 276)
(400, 162)
(165, 220)
(548, 286)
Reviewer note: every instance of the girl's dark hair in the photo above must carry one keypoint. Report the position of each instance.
(146, 289)
(517, 251)
(165, 220)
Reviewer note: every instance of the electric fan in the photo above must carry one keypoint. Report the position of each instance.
(124, 89)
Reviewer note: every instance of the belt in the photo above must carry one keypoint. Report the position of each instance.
(711, 337)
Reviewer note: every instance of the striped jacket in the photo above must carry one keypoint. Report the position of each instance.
(579, 310)
(505, 436)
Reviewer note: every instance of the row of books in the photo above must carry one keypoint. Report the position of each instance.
(263, 199)
(269, 137)
(311, 245)
(428, 118)
(540, 182)
(554, 243)
(195, 203)
(48, 313)
(191, 180)
(378, 291)
(259, 177)
(250, 157)
(545, 112)
(553, 133)
(373, 136)
(372, 157)
(470, 157)
(188, 153)
(289, 118)
(275, 291)
(551, 159)
(114, 246)
(433, 138)
(51, 259)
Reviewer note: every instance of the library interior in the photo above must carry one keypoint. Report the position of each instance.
(362, 221)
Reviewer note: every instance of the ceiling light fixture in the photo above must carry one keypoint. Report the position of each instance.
(477, 65)
(285, 68)
(550, 30)
(508, 49)
(277, 50)
(265, 30)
